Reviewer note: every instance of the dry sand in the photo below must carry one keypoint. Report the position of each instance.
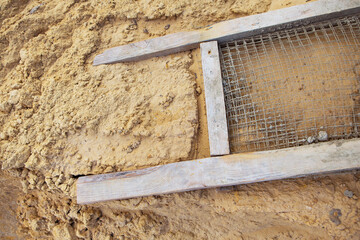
(61, 118)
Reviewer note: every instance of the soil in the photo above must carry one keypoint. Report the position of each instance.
(62, 118)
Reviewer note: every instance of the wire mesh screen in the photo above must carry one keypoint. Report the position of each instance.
(293, 87)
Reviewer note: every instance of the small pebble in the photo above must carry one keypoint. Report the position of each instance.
(334, 216)
(311, 139)
(348, 193)
(34, 9)
(78, 156)
(167, 27)
(145, 31)
(323, 136)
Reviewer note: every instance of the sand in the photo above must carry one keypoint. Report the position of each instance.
(62, 118)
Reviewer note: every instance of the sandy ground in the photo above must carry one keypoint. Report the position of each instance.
(61, 118)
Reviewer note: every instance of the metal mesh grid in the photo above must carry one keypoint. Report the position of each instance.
(284, 88)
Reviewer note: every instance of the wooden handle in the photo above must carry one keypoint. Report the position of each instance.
(229, 30)
(221, 171)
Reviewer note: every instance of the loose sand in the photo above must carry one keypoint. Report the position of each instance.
(61, 118)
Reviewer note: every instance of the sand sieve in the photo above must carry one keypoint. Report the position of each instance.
(273, 81)
(285, 87)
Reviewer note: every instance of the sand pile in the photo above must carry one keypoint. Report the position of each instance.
(62, 118)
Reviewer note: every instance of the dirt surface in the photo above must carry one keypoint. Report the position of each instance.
(10, 190)
(62, 118)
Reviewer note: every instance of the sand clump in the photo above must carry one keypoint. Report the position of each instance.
(62, 118)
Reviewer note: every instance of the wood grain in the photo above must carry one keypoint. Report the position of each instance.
(221, 171)
(214, 97)
(230, 30)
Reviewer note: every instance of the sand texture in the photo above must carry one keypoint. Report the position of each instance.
(61, 118)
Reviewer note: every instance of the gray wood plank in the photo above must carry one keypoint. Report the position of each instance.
(214, 97)
(221, 171)
(229, 30)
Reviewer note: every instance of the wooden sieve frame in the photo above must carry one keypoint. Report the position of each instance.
(223, 169)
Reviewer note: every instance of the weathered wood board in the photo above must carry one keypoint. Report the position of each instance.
(221, 171)
(230, 30)
(214, 97)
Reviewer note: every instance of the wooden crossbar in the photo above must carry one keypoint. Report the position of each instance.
(221, 171)
(229, 30)
(214, 97)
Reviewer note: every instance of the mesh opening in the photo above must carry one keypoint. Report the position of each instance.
(284, 88)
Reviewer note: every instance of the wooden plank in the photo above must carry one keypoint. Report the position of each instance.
(214, 97)
(221, 171)
(229, 30)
